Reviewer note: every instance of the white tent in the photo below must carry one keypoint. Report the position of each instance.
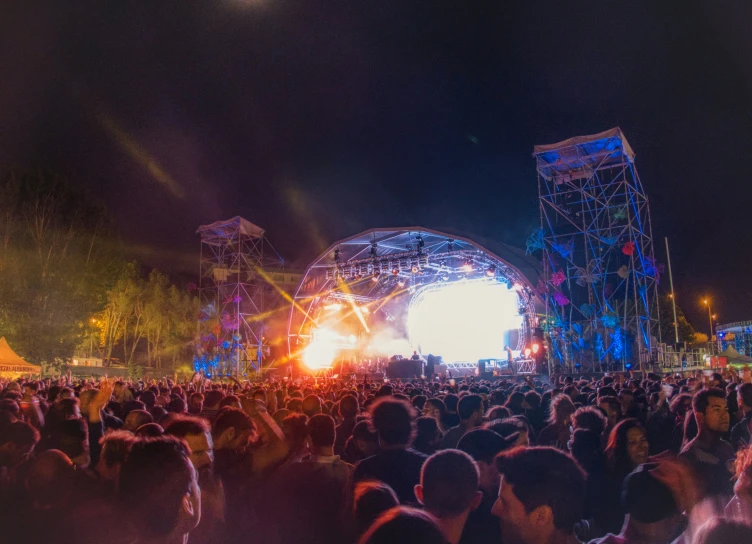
(734, 357)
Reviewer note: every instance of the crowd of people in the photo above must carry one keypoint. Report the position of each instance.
(617, 459)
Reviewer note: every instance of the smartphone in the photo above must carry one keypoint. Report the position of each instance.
(452, 382)
(667, 389)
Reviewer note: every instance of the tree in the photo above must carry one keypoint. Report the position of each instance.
(58, 258)
(687, 332)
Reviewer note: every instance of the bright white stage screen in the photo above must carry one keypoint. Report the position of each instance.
(464, 321)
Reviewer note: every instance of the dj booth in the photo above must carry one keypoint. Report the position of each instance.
(404, 369)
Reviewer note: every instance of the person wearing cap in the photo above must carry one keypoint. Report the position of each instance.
(652, 515)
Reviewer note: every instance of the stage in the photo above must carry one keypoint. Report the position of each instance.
(388, 294)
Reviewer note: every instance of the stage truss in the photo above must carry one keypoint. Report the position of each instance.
(371, 268)
(236, 261)
(595, 235)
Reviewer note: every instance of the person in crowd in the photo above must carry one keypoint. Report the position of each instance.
(116, 446)
(17, 442)
(195, 403)
(556, 434)
(370, 500)
(348, 411)
(516, 403)
(363, 443)
(724, 531)
(591, 419)
(652, 515)
(295, 429)
(436, 409)
(295, 517)
(135, 419)
(611, 407)
(451, 417)
(404, 524)
(509, 427)
(196, 433)
(449, 490)
(428, 437)
(740, 506)
(627, 449)
(541, 496)
(210, 408)
(470, 410)
(159, 491)
(708, 454)
(311, 405)
(396, 464)
(483, 446)
(741, 433)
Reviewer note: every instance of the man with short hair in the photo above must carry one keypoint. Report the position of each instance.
(653, 516)
(135, 419)
(211, 404)
(741, 432)
(159, 491)
(483, 445)
(396, 464)
(318, 509)
(470, 410)
(708, 454)
(196, 433)
(611, 407)
(116, 445)
(311, 405)
(449, 490)
(435, 408)
(348, 409)
(541, 496)
(17, 442)
(195, 403)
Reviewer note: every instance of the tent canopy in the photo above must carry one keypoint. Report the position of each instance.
(583, 153)
(734, 356)
(12, 363)
(231, 228)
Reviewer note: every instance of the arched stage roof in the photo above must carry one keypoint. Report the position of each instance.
(393, 252)
(357, 246)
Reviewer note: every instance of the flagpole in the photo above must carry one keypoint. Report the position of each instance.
(673, 296)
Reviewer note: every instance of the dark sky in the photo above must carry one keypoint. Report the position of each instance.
(317, 120)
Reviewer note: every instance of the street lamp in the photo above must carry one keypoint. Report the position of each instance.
(706, 302)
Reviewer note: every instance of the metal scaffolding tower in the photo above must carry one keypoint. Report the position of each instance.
(236, 264)
(600, 270)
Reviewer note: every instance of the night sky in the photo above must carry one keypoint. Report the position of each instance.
(317, 120)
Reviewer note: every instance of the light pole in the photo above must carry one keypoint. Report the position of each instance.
(706, 302)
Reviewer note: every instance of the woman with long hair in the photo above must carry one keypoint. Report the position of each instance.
(627, 449)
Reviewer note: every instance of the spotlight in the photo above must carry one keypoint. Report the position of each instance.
(467, 267)
(364, 310)
(375, 276)
(527, 352)
(536, 347)
(517, 286)
(401, 282)
(628, 366)
(415, 269)
(491, 272)
(395, 271)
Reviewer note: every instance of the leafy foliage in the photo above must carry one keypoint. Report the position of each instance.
(58, 259)
(687, 332)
